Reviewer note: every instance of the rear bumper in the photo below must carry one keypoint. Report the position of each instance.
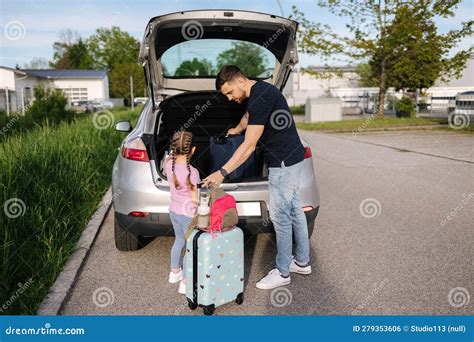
(158, 224)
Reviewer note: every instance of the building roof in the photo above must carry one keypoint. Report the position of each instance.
(67, 73)
(12, 69)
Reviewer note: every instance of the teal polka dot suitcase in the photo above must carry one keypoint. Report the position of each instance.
(214, 269)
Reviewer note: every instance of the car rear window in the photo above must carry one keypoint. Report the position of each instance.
(205, 57)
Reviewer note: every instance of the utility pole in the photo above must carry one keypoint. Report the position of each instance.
(8, 101)
(23, 101)
(131, 92)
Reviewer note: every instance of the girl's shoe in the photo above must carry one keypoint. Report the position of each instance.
(182, 288)
(175, 277)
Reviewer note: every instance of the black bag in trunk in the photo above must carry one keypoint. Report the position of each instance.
(221, 150)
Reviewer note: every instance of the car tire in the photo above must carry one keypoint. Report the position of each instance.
(124, 240)
(311, 227)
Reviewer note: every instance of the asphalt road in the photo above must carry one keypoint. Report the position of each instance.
(395, 235)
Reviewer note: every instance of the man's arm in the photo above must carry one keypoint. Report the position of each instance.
(252, 135)
(242, 126)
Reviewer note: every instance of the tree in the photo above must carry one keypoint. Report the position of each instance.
(120, 80)
(117, 51)
(195, 67)
(366, 75)
(71, 52)
(250, 58)
(111, 46)
(378, 32)
(37, 63)
(417, 50)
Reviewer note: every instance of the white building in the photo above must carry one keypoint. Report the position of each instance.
(16, 85)
(301, 86)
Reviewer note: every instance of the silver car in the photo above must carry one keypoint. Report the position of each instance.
(181, 54)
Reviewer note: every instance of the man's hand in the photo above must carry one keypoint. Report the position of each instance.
(242, 126)
(213, 180)
(233, 131)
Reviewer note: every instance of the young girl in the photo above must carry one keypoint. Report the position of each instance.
(183, 179)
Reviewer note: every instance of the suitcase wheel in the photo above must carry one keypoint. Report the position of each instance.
(240, 298)
(191, 304)
(209, 310)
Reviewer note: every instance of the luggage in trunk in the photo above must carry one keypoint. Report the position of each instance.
(222, 149)
(205, 114)
(214, 269)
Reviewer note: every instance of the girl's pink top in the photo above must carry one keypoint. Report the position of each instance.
(181, 202)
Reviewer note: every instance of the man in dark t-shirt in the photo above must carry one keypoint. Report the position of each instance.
(269, 120)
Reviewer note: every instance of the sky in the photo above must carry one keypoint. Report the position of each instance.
(35, 24)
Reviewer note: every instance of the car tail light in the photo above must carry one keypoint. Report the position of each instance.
(138, 214)
(135, 150)
(309, 208)
(307, 152)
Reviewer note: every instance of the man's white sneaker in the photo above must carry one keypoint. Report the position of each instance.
(175, 277)
(295, 268)
(182, 288)
(273, 279)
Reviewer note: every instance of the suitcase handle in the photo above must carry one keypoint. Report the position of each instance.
(222, 139)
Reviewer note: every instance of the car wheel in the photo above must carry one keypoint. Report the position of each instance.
(311, 227)
(209, 310)
(124, 240)
(240, 299)
(191, 304)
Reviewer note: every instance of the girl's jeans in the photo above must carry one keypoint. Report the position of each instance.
(180, 226)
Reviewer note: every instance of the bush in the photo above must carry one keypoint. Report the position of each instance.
(297, 110)
(405, 107)
(49, 104)
(49, 107)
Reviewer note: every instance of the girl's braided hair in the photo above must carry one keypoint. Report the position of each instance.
(181, 144)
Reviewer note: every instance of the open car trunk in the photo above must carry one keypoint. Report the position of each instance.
(207, 114)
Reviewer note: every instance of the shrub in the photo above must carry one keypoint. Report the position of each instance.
(405, 107)
(297, 110)
(49, 104)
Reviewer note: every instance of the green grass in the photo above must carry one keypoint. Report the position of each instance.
(362, 124)
(60, 174)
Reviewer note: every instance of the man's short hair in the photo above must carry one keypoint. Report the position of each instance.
(227, 74)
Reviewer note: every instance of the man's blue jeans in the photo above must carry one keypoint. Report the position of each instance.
(287, 215)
